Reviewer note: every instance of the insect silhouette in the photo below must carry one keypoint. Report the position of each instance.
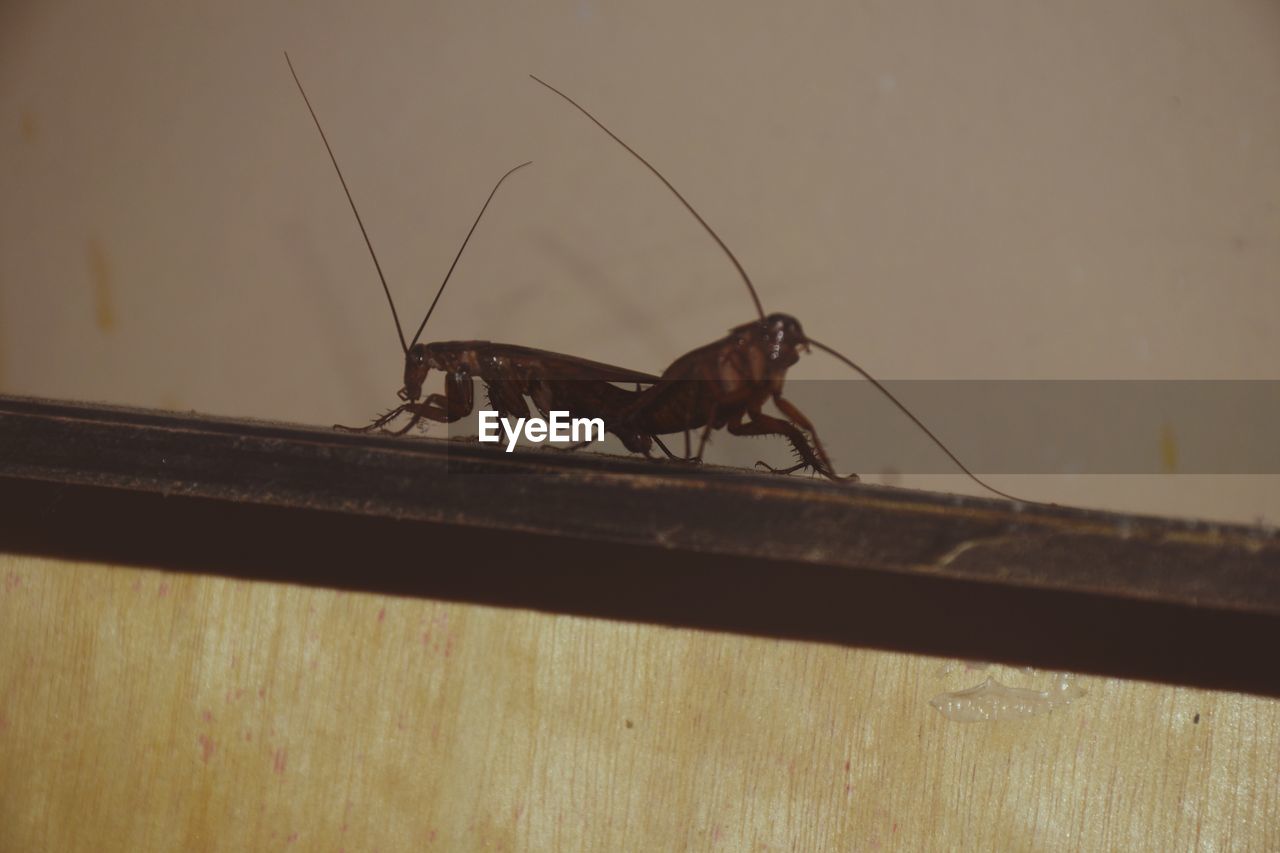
(510, 373)
(725, 384)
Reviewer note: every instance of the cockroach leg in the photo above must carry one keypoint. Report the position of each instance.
(798, 418)
(413, 421)
(811, 455)
(377, 422)
(671, 455)
(706, 430)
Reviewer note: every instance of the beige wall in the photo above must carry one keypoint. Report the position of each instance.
(980, 191)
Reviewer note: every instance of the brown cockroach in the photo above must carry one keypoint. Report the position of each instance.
(725, 384)
(510, 373)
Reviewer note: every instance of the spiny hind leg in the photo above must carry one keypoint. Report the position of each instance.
(762, 424)
(798, 418)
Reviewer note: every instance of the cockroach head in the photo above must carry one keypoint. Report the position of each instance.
(416, 365)
(779, 334)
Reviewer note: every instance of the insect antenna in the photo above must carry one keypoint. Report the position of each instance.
(351, 201)
(751, 288)
(903, 408)
(463, 248)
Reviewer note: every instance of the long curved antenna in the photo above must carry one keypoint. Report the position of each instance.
(902, 408)
(742, 272)
(463, 248)
(351, 201)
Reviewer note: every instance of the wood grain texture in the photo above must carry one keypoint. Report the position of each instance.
(148, 710)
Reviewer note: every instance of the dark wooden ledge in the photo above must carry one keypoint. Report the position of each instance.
(620, 537)
(698, 509)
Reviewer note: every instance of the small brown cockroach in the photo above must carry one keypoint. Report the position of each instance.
(725, 384)
(510, 373)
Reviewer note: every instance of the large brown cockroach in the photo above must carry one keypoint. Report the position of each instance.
(510, 373)
(725, 384)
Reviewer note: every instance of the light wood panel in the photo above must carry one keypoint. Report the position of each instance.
(145, 710)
